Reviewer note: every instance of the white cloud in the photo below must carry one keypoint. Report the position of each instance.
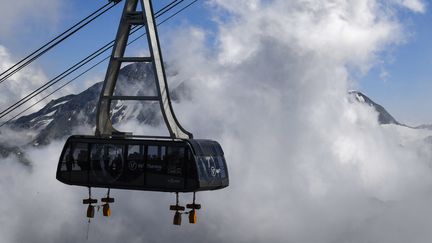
(23, 83)
(24, 15)
(414, 5)
(306, 165)
(384, 75)
(20, 84)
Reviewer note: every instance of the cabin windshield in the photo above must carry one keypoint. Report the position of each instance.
(211, 162)
(74, 162)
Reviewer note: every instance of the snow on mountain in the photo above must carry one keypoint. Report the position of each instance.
(407, 135)
(60, 117)
(425, 126)
(384, 116)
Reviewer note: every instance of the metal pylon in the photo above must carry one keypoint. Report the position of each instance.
(129, 18)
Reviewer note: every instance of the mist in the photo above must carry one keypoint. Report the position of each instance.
(23, 16)
(21, 84)
(306, 164)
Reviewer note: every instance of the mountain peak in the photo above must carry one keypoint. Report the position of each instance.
(384, 116)
(60, 116)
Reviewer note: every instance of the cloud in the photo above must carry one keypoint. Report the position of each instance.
(23, 83)
(23, 16)
(414, 5)
(20, 84)
(305, 163)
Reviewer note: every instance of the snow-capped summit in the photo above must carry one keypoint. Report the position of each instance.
(60, 117)
(384, 116)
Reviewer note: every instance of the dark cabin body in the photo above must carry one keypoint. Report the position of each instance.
(170, 165)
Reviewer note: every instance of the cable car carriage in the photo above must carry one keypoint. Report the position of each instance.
(167, 165)
(116, 160)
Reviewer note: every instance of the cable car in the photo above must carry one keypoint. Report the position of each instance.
(167, 165)
(113, 159)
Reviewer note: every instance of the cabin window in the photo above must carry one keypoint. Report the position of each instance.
(202, 167)
(135, 158)
(74, 166)
(67, 160)
(80, 157)
(191, 172)
(107, 163)
(175, 160)
(162, 152)
(155, 157)
(155, 166)
(133, 172)
(66, 165)
(175, 157)
(221, 164)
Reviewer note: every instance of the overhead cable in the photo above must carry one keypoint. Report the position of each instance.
(54, 42)
(79, 65)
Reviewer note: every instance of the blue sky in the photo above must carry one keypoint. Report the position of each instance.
(273, 93)
(404, 91)
(89, 39)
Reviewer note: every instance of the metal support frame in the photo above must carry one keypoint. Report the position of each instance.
(131, 17)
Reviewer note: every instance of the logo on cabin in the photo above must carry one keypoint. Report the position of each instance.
(132, 165)
(212, 165)
(214, 171)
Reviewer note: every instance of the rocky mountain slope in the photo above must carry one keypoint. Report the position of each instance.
(61, 116)
(384, 116)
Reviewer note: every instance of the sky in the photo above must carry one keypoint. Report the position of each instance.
(269, 81)
(401, 81)
(397, 78)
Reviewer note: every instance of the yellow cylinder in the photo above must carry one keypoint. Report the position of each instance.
(106, 210)
(193, 217)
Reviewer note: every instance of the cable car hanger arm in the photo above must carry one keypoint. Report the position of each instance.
(131, 17)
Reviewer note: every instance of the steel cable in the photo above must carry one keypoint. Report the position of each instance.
(52, 43)
(79, 65)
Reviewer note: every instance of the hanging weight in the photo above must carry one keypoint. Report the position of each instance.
(90, 211)
(177, 218)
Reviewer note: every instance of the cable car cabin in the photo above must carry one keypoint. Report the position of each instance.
(177, 165)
